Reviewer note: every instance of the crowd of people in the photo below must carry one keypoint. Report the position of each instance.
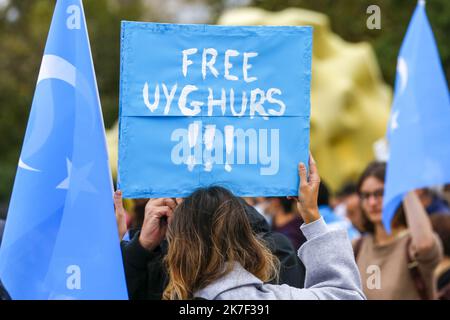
(213, 245)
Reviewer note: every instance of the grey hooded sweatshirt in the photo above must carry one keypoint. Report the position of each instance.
(331, 272)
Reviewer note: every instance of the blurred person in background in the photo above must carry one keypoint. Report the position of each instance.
(286, 220)
(261, 205)
(333, 220)
(446, 193)
(432, 202)
(399, 265)
(441, 225)
(350, 206)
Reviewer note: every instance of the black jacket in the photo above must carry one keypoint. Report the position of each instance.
(3, 293)
(147, 278)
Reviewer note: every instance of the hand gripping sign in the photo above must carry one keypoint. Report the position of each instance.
(213, 105)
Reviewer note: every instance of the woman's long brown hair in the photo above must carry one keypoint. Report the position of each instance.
(209, 232)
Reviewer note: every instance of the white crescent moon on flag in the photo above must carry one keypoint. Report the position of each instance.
(52, 67)
(23, 165)
(55, 67)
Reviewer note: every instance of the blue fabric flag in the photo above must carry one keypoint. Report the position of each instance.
(61, 239)
(419, 126)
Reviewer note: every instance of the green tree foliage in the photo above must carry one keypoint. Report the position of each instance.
(24, 26)
(348, 19)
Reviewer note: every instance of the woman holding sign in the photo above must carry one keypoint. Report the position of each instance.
(214, 254)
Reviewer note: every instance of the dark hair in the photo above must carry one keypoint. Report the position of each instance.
(210, 230)
(139, 212)
(441, 225)
(286, 204)
(348, 189)
(377, 169)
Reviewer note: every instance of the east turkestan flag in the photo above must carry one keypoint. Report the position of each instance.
(419, 128)
(61, 239)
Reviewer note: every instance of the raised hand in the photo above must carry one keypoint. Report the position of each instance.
(308, 191)
(121, 214)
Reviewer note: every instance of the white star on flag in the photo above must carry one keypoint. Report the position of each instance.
(65, 183)
(77, 179)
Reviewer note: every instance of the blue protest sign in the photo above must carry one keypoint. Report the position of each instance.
(204, 105)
